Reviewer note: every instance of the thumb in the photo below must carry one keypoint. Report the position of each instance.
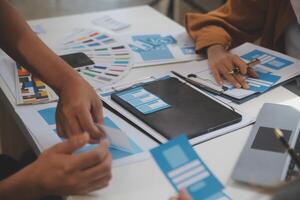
(72, 144)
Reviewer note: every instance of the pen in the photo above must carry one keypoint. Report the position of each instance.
(197, 84)
(280, 136)
(250, 64)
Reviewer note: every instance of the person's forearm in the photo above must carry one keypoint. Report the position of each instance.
(21, 185)
(19, 42)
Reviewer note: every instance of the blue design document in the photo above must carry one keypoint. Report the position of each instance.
(143, 100)
(160, 48)
(127, 144)
(185, 170)
(274, 68)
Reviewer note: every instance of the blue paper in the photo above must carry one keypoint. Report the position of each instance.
(153, 106)
(188, 50)
(143, 100)
(275, 62)
(49, 116)
(184, 169)
(153, 47)
(265, 81)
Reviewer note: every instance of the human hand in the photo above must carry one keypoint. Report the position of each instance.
(78, 109)
(222, 63)
(183, 195)
(58, 171)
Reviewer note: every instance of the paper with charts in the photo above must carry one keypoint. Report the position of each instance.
(127, 143)
(30, 89)
(111, 59)
(160, 48)
(274, 69)
(184, 169)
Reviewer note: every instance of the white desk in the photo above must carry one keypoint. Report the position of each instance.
(143, 180)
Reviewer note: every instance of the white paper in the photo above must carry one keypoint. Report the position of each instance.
(181, 51)
(7, 72)
(118, 139)
(110, 23)
(38, 29)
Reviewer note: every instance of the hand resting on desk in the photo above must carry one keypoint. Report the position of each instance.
(223, 62)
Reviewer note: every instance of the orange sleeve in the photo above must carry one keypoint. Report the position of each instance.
(236, 22)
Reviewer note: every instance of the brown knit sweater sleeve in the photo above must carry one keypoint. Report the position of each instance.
(236, 22)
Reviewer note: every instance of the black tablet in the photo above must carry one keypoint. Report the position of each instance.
(188, 112)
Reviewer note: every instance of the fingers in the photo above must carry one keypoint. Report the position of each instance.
(87, 124)
(101, 170)
(97, 112)
(59, 127)
(217, 75)
(92, 158)
(183, 195)
(251, 72)
(238, 62)
(242, 81)
(72, 144)
(223, 63)
(229, 77)
(98, 184)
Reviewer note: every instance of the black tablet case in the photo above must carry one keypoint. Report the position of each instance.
(191, 112)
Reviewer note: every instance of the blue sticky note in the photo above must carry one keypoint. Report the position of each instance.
(134, 93)
(143, 100)
(184, 169)
(153, 106)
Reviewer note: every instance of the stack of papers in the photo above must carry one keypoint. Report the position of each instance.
(160, 48)
(111, 59)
